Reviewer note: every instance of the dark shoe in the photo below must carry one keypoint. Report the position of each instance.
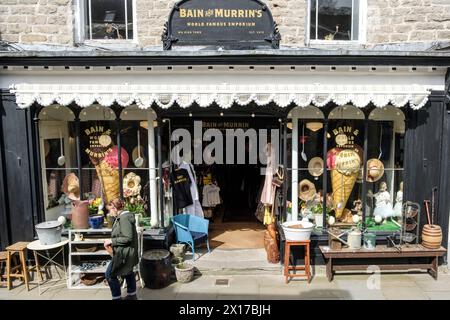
(131, 297)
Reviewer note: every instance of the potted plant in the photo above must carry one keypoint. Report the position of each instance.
(184, 272)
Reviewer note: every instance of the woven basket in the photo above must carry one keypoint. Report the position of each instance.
(84, 248)
(91, 279)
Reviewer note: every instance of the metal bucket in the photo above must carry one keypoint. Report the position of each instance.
(49, 232)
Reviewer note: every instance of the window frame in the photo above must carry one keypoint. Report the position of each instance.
(361, 29)
(81, 18)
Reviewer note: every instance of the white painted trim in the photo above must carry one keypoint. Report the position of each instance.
(294, 186)
(154, 220)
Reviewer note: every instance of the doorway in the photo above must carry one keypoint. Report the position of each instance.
(233, 224)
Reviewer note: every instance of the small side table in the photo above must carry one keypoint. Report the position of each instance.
(288, 266)
(37, 248)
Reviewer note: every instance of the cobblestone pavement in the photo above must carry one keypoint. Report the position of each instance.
(392, 286)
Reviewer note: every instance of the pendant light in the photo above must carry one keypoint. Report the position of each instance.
(314, 126)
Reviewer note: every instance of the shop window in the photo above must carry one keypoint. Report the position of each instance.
(100, 176)
(106, 20)
(332, 21)
(306, 127)
(385, 169)
(58, 158)
(345, 142)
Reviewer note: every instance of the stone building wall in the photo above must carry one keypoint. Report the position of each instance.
(391, 21)
(388, 21)
(37, 21)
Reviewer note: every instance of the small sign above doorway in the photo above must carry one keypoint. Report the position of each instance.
(230, 24)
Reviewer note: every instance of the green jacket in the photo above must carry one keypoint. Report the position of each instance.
(124, 242)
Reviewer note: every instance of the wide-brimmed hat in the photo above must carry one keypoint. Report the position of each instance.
(306, 190)
(375, 170)
(71, 187)
(315, 166)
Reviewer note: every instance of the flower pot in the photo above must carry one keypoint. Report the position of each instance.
(177, 250)
(96, 222)
(184, 272)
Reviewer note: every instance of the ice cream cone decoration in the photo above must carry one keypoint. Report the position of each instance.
(108, 172)
(343, 177)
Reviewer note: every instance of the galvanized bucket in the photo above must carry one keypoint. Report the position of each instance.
(49, 232)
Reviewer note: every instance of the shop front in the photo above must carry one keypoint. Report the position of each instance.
(350, 137)
(355, 143)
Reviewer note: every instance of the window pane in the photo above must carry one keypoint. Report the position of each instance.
(335, 19)
(130, 18)
(107, 20)
(313, 21)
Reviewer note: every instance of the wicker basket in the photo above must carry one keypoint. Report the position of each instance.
(84, 248)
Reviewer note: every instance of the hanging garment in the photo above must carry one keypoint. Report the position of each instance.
(181, 184)
(267, 195)
(211, 196)
(190, 169)
(194, 209)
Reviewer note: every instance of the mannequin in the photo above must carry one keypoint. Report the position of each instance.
(383, 206)
(398, 202)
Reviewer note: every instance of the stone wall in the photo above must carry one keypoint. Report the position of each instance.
(391, 21)
(388, 21)
(37, 21)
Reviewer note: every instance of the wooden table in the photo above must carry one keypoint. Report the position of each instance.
(382, 252)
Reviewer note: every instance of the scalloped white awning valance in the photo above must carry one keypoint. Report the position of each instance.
(165, 96)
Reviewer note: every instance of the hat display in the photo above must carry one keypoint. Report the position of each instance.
(71, 187)
(307, 190)
(375, 170)
(315, 166)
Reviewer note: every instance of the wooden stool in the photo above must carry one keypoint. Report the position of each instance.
(288, 267)
(3, 261)
(20, 270)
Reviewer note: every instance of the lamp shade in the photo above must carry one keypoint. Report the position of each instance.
(314, 126)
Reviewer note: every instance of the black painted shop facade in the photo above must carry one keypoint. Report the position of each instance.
(426, 155)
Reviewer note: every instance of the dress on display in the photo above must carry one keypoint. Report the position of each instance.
(195, 208)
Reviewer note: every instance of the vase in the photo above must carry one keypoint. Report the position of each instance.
(80, 214)
(318, 219)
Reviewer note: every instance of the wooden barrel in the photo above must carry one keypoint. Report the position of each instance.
(431, 236)
(156, 268)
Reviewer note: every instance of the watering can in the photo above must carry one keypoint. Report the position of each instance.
(353, 239)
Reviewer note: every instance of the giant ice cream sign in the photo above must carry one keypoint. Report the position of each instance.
(105, 158)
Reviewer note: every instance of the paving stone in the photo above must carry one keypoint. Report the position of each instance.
(433, 285)
(438, 295)
(404, 293)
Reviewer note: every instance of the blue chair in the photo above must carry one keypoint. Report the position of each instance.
(189, 229)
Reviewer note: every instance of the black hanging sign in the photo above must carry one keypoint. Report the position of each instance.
(233, 24)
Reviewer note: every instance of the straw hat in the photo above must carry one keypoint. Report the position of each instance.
(375, 170)
(307, 190)
(71, 187)
(315, 166)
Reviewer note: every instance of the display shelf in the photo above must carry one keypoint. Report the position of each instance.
(95, 253)
(76, 258)
(76, 269)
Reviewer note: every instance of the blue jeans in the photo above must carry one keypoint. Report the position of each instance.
(114, 283)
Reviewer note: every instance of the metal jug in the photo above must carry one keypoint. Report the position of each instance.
(354, 239)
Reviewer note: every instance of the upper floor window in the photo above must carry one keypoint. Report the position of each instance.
(336, 20)
(106, 20)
